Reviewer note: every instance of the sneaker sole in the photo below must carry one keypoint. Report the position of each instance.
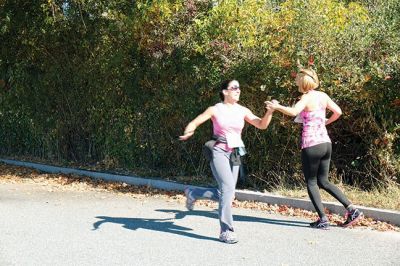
(229, 242)
(326, 227)
(321, 228)
(354, 221)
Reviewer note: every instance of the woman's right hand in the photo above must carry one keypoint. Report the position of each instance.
(186, 135)
(200, 119)
(273, 104)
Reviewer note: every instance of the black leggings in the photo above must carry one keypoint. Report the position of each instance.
(315, 161)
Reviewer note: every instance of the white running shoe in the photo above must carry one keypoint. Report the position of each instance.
(228, 237)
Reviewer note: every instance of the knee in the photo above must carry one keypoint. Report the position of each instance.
(227, 193)
(324, 184)
(311, 182)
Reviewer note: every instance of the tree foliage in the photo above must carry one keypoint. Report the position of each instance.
(114, 82)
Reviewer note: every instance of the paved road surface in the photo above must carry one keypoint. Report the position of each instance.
(38, 227)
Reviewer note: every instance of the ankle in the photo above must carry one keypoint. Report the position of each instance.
(323, 219)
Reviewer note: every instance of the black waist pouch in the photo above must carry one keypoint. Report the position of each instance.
(208, 149)
(235, 157)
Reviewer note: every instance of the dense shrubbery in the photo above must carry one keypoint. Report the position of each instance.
(116, 81)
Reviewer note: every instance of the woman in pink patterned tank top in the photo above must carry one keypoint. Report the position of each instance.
(316, 146)
(314, 130)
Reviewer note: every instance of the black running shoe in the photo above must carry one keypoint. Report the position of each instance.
(352, 217)
(320, 224)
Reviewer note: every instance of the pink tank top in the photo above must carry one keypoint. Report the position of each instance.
(228, 122)
(314, 129)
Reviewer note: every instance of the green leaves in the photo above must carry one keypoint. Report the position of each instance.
(116, 80)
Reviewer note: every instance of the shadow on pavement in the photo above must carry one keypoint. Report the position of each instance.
(240, 218)
(162, 225)
(168, 226)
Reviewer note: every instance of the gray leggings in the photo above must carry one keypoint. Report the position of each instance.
(226, 175)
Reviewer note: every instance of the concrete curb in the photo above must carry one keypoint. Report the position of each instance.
(390, 216)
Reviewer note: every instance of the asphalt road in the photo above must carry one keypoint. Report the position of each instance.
(39, 226)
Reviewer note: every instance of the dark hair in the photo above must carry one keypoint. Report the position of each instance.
(224, 86)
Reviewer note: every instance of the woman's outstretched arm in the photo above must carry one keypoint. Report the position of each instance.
(200, 119)
(261, 123)
(292, 111)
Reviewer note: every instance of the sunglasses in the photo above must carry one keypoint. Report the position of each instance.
(234, 88)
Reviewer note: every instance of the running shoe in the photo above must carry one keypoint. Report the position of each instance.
(320, 224)
(190, 200)
(228, 237)
(352, 217)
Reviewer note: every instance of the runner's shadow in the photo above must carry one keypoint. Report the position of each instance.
(241, 218)
(162, 225)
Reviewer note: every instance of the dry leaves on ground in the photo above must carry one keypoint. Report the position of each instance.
(60, 182)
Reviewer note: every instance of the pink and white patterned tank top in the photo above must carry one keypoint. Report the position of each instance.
(228, 122)
(314, 129)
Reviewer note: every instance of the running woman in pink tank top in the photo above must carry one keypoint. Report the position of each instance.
(316, 146)
(228, 118)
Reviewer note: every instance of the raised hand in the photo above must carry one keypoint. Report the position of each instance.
(273, 104)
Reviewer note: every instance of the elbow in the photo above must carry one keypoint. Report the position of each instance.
(263, 127)
(259, 126)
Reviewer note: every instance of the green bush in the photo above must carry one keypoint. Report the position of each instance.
(113, 83)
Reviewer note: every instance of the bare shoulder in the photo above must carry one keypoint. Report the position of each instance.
(245, 109)
(305, 97)
(323, 97)
(323, 94)
(210, 110)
